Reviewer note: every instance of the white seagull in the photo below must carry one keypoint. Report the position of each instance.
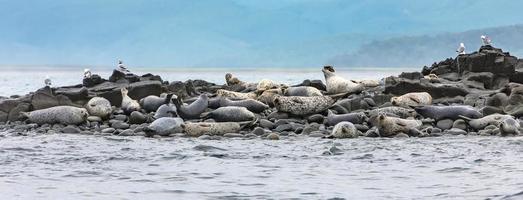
(121, 67)
(87, 73)
(47, 81)
(461, 49)
(486, 40)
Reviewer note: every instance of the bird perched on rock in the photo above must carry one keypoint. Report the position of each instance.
(47, 81)
(121, 67)
(461, 49)
(87, 73)
(486, 40)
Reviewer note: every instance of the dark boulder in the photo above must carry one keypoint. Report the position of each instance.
(178, 88)
(151, 77)
(44, 98)
(318, 84)
(398, 86)
(121, 77)
(75, 93)
(95, 79)
(411, 75)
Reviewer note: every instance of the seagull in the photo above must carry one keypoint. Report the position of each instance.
(87, 73)
(47, 81)
(486, 40)
(121, 67)
(461, 49)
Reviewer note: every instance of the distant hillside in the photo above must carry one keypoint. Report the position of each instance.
(417, 51)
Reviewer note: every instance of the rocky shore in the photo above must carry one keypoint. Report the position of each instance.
(480, 93)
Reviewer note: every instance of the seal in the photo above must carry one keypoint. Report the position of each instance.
(344, 130)
(251, 104)
(497, 100)
(99, 106)
(152, 103)
(412, 99)
(515, 102)
(235, 95)
(193, 110)
(447, 112)
(211, 128)
(431, 77)
(390, 126)
(128, 105)
(509, 126)
(231, 80)
(230, 114)
(367, 83)
(164, 126)
(267, 96)
(481, 123)
(303, 91)
(336, 84)
(166, 110)
(355, 118)
(67, 115)
(393, 111)
(266, 84)
(302, 105)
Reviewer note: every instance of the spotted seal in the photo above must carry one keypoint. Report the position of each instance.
(509, 126)
(231, 80)
(267, 96)
(152, 103)
(251, 104)
(235, 95)
(412, 99)
(99, 106)
(266, 84)
(67, 115)
(166, 110)
(302, 105)
(128, 105)
(164, 126)
(344, 130)
(394, 111)
(230, 114)
(193, 110)
(304, 91)
(450, 112)
(356, 118)
(389, 126)
(481, 123)
(211, 128)
(336, 84)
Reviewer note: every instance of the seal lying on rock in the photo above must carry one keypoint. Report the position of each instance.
(481, 123)
(267, 97)
(266, 84)
(356, 118)
(302, 105)
(230, 114)
(193, 110)
(336, 84)
(450, 112)
(304, 91)
(99, 106)
(394, 111)
(128, 105)
(412, 99)
(509, 126)
(231, 80)
(67, 115)
(152, 103)
(211, 128)
(251, 104)
(235, 95)
(166, 110)
(367, 83)
(389, 126)
(164, 126)
(344, 130)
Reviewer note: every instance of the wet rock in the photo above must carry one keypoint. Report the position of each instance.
(317, 134)
(108, 130)
(411, 75)
(75, 93)
(137, 118)
(373, 132)
(94, 119)
(273, 136)
(232, 135)
(258, 131)
(455, 131)
(318, 118)
(95, 79)
(308, 129)
(398, 86)
(127, 132)
(445, 124)
(120, 117)
(266, 124)
(120, 125)
(278, 115)
(460, 124)
(361, 127)
(401, 135)
(70, 129)
(284, 127)
(15, 113)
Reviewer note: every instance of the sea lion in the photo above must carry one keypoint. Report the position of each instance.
(166, 110)
(389, 126)
(355, 118)
(412, 99)
(193, 110)
(266, 84)
(267, 96)
(344, 130)
(211, 128)
(230, 114)
(152, 103)
(302, 105)
(479, 124)
(231, 80)
(235, 95)
(450, 112)
(67, 115)
(336, 84)
(128, 105)
(304, 91)
(251, 104)
(164, 126)
(99, 106)
(509, 126)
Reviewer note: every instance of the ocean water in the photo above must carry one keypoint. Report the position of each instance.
(68, 166)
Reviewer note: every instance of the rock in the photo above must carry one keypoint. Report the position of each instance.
(70, 129)
(278, 115)
(178, 88)
(137, 118)
(120, 117)
(373, 132)
(94, 119)
(43, 98)
(309, 128)
(398, 86)
(318, 84)
(411, 75)
(258, 131)
(318, 118)
(120, 125)
(108, 130)
(401, 135)
(317, 134)
(459, 124)
(232, 135)
(3, 116)
(273, 136)
(266, 124)
(455, 131)
(95, 79)
(75, 93)
(445, 124)
(361, 127)
(119, 76)
(127, 132)
(14, 114)
(284, 127)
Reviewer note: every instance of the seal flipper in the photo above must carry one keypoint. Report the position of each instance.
(244, 125)
(464, 118)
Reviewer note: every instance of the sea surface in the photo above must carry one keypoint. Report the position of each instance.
(68, 166)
